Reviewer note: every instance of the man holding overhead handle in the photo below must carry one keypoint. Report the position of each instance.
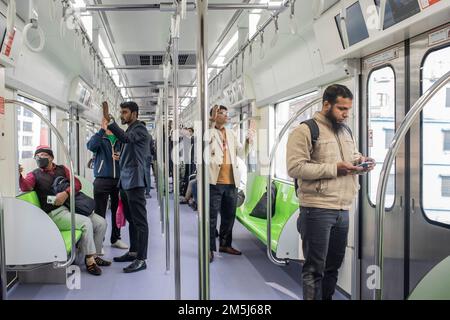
(322, 155)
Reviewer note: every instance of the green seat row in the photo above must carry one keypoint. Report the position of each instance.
(435, 285)
(31, 197)
(286, 204)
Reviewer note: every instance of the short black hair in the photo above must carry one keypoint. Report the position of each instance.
(220, 108)
(191, 129)
(130, 105)
(334, 91)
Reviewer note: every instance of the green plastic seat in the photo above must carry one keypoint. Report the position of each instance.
(86, 186)
(435, 285)
(31, 197)
(286, 204)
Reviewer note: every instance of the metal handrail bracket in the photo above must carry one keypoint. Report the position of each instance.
(270, 255)
(58, 265)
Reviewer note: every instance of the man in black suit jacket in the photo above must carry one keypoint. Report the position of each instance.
(132, 182)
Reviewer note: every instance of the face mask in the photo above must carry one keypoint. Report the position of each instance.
(42, 162)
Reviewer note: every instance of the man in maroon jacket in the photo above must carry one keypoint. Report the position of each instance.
(93, 227)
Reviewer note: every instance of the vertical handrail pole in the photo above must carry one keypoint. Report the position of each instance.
(3, 277)
(285, 129)
(176, 154)
(203, 179)
(167, 174)
(160, 161)
(396, 142)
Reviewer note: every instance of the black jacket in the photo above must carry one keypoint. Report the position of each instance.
(132, 158)
(83, 204)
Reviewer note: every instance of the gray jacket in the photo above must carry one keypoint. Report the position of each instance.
(135, 149)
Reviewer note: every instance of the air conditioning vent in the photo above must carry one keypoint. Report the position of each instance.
(157, 58)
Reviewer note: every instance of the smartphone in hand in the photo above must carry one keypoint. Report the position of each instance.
(105, 108)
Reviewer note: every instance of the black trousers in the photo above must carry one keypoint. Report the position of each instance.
(105, 188)
(324, 239)
(223, 199)
(134, 208)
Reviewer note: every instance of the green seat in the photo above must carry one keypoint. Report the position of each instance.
(435, 285)
(86, 186)
(31, 197)
(286, 204)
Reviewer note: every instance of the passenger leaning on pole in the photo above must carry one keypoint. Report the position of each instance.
(224, 148)
(93, 228)
(132, 181)
(322, 155)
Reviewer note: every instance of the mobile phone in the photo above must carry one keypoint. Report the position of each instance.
(105, 108)
(365, 165)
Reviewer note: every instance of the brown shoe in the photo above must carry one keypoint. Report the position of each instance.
(101, 262)
(230, 250)
(94, 269)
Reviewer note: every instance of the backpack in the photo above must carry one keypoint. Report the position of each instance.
(315, 132)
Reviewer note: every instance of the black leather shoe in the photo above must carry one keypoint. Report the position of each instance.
(230, 250)
(135, 266)
(127, 257)
(211, 256)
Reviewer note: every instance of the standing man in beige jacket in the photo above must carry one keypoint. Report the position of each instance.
(326, 168)
(224, 177)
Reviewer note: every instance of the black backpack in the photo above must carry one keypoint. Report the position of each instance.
(315, 132)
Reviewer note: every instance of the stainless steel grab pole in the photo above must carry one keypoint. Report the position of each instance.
(3, 277)
(166, 174)
(71, 179)
(202, 165)
(396, 142)
(159, 162)
(285, 129)
(176, 154)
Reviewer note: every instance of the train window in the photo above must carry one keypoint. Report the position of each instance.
(446, 140)
(31, 132)
(435, 131)
(284, 111)
(398, 10)
(355, 24)
(445, 188)
(381, 111)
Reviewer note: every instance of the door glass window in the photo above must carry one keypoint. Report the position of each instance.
(284, 111)
(31, 132)
(435, 138)
(381, 114)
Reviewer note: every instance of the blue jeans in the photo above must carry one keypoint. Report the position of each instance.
(324, 236)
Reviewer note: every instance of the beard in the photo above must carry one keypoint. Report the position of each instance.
(337, 126)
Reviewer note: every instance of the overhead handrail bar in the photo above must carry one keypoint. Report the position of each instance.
(190, 6)
(270, 255)
(58, 265)
(394, 147)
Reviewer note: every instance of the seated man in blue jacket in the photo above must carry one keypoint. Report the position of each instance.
(106, 148)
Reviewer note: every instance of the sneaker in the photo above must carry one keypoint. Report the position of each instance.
(102, 263)
(119, 244)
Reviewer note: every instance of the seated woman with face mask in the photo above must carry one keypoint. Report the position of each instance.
(93, 227)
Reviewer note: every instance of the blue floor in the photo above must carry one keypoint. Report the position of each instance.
(250, 276)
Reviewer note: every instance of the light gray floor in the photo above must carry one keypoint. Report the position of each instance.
(250, 276)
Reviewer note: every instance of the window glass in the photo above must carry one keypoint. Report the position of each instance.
(381, 119)
(284, 111)
(435, 128)
(31, 132)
